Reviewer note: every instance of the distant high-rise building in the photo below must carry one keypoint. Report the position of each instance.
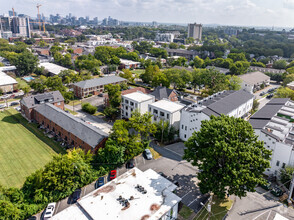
(20, 26)
(95, 20)
(87, 18)
(195, 31)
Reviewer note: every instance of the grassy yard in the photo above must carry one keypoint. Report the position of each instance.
(24, 149)
(71, 111)
(185, 212)
(21, 82)
(138, 71)
(219, 209)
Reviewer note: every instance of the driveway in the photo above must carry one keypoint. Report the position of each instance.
(263, 100)
(259, 205)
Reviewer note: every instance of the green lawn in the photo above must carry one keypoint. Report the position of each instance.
(138, 71)
(185, 212)
(219, 209)
(21, 82)
(22, 152)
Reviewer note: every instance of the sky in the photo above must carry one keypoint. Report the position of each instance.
(278, 13)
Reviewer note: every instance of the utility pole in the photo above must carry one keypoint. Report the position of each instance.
(209, 207)
(291, 189)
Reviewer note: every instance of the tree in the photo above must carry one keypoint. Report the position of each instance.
(164, 132)
(87, 107)
(114, 96)
(196, 79)
(237, 57)
(160, 79)
(280, 64)
(234, 82)
(284, 92)
(26, 89)
(25, 63)
(288, 78)
(286, 175)
(173, 45)
(198, 62)
(239, 67)
(127, 74)
(230, 157)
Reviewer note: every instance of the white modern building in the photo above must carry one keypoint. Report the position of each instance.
(195, 31)
(165, 37)
(133, 195)
(231, 103)
(133, 101)
(166, 110)
(274, 126)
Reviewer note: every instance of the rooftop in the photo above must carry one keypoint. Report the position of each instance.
(254, 78)
(35, 100)
(128, 62)
(104, 203)
(222, 70)
(84, 131)
(6, 80)
(52, 68)
(167, 106)
(138, 96)
(161, 92)
(100, 81)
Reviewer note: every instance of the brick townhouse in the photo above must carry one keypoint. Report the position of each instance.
(29, 103)
(95, 86)
(71, 129)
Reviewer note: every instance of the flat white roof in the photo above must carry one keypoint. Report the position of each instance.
(138, 97)
(6, 80)
(128, 62)
(53, 68)
(103, 203)
(167, 106)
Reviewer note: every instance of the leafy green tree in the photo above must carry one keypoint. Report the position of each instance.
(237, 57)
(230, 157)
(198, 62)
(25, 63)
(149, 73)
(160, 79)
(39, 84)
(280, 64)
(286, 175)
(239, 67)
(158, 52)
(164, 132)
(87, 107)
(114, 95)
(181, 61)
(173, 46)
(196, 79)
(284, 92)
(127, 74)
(288, 78)
(1, 64)
(234, 82)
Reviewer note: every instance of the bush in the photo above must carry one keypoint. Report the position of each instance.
(87, 107)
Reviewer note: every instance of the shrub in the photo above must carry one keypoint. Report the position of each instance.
(87, 107)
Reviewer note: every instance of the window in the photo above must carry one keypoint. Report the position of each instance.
(127, 114)
(185, 136)
(182, 126)
(127, 108)
(122, 100)
(167, 116)
(149, 109)
(283, 166)
(132, 104)
(185, 128)
(162, 114)
(278, 163)
(155, 111)
(136, 105)
(127, 101)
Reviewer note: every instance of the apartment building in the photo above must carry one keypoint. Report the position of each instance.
(135, 101)
(231, 103)
(7, 83)
(165, 37)
(95, 86)
(29, 103)
(195, 31)
(69, 128)
(132, 195)
(166, 110)
(274, 126)
(252, 81)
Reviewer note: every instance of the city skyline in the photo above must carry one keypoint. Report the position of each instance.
(223, 12)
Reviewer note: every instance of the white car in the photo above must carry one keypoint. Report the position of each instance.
(49, 210)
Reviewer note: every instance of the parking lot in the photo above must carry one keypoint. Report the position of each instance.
(172, 165)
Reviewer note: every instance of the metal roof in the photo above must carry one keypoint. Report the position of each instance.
(52, 68)
(100, 81)
(84, 131)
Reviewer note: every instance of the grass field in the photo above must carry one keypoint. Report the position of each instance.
(21, 151)
(21, 82)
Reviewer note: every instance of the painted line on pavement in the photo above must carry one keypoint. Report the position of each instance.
(192, 202)
(174, 152)
(186, 194)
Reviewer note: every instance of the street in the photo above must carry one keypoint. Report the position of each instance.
(263, 100)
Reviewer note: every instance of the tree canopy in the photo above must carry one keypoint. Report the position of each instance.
(228, 155)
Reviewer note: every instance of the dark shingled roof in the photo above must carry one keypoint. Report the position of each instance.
(100, 81)
(84, 131)
(229, 103)
(34, 100)
(278, 101)
(161, 92)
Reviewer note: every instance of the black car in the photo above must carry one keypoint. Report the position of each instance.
(73, 198)
(270, 96)
(14, 103)
(130, 163)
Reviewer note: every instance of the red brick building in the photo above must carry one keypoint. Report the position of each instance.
(95, 86)
(29, 103)
(69, 128)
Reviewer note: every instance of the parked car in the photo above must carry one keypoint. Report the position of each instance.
(262, 93)
(130, 163)
(266, 186)
(49, 211)
(99, 182)
(73, 198)
(148, 154)
(14, 103)
(276, 191)
(270, 96)
(112, 174)
(2, 106)
(101, 95)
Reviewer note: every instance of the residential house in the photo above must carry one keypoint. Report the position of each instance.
(165, 93)
(274, 126)
(128, 64)
(135, 101)
(266, 70)
(29, 103)
(72, 130)
(95, 86)
(252, 81)
(166, 110)
(132, 195)
(221, 70)
(188, 54)
(232, 103)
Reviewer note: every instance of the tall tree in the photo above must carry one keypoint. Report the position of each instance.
(26, 63)
(230, 157)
